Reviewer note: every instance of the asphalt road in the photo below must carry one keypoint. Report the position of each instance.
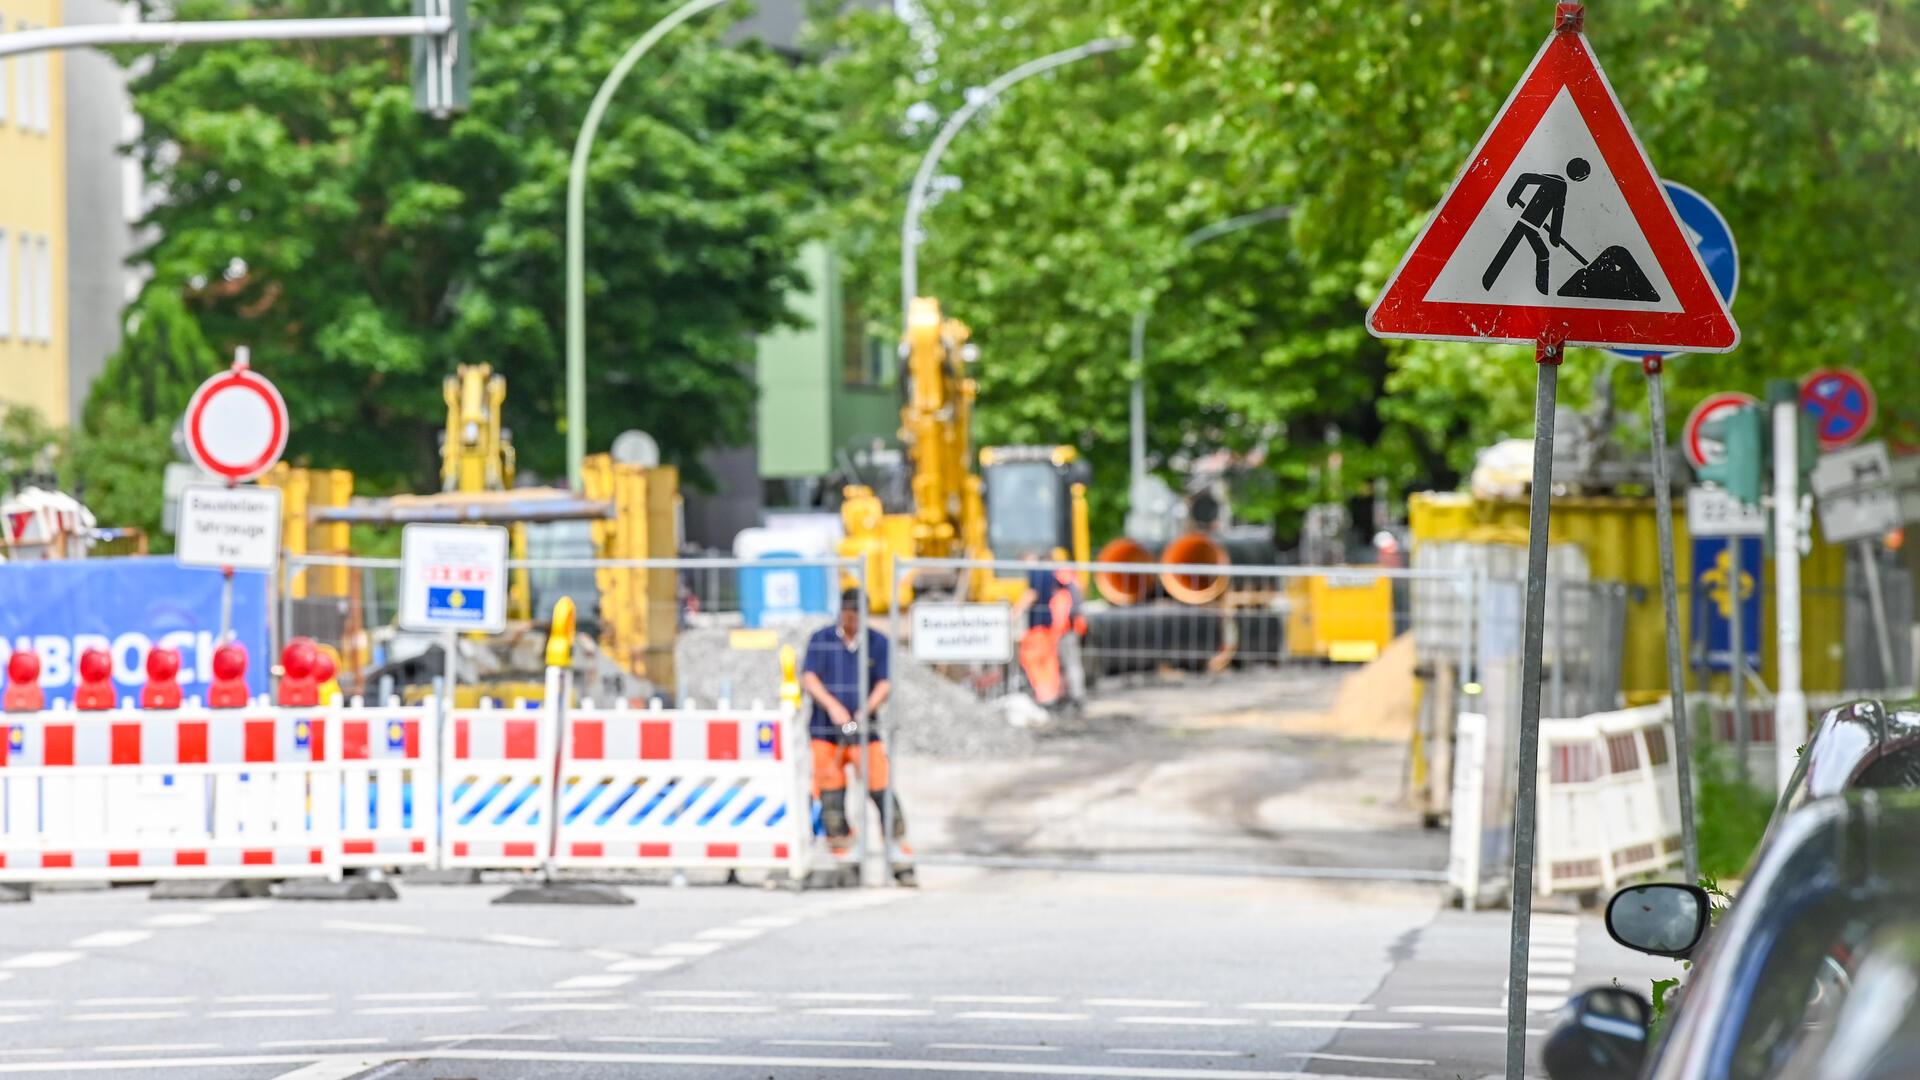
(980, 972)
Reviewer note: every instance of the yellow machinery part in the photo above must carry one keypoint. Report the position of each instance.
(876, 538)
(301, 491)
(1082, 529)
(1618, 536)
(639, 608)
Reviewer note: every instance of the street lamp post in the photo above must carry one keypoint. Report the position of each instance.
(577, 227)
(1137, 407)
(923, 179)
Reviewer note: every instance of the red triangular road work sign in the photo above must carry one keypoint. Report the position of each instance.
(1557, 228)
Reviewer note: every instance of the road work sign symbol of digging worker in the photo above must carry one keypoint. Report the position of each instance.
(1614, 275)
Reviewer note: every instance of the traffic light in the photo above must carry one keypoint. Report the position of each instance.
(443, 63)
(1741, 470)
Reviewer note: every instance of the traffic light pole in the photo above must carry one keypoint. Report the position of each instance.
(1790, 701)
(1670, 593)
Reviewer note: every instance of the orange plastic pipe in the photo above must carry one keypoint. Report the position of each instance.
(1194, 549)
(1123, 590)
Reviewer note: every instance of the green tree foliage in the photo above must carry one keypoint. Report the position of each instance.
(1067, 204)
(362, 250)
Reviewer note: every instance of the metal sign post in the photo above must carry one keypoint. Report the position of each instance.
(1877, 605)
(1546, 400)
(1790, 701)
(1670, 594)
(1737, 640)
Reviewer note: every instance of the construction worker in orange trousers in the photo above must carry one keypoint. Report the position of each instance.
(831, 678)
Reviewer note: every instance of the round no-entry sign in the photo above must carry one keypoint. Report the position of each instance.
(1842, 406)
(1700, 450)
(236, 425)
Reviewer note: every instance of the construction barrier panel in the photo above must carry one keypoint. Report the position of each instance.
(495, 783)
(1606, 808)
(389, 766)
(130, 795)
(684, 789)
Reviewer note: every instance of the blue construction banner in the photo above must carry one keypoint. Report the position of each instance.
(127, 607)
(1713, 601)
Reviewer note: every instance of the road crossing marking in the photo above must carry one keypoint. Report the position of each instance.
(488, 1038)
(520, 941)
(266, 1014)
(846, 1044)
(112, 1017)
(730, 933)
(175, 919)
(1187, 1021)
(47, 959)
(770, 922)
(831, 996)
(1009, 1048)
(1303, 1006)
(370, 927)
(1357, 1059)
(270, 999)
(868, 1011)
(417, 995)
(593, 982)
(1038, 1017)
(572, 1006)
(284, 1044)
(111, 939)
(703, 993)
(650, 964)
(1146, 1052)
(1448, 1010)
(1345, 1025)
(689, 948)
(1143, 1003)
(534, 995)
(419, 1010)
(996, 999)
(95, 1002)
(156, 1048)
(664, 1040)
(741, 1009)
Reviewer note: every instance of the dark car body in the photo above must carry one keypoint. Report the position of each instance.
(1837, 874)
(1864, 744)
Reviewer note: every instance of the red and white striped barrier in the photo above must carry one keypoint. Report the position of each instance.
(389, 766)
(684, 789)
(495, 782)
(134, 795)
(1608, 805)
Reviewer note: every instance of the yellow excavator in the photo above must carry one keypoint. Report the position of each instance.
(1022, 500)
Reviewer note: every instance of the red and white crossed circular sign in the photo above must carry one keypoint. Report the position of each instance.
(237, 425)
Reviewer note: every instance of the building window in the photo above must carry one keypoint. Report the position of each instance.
(6, 285)
(43, 292)
(863, 354)
(24, 276)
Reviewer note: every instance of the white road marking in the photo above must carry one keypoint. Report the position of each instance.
(1551, 952)
(237, 907)
(155, 1048)
(419, 1010)
(265, 1014)
(770, 922)
(419, 995)
(27, 1053)
(658, 963)
(97, 1018)
(1358, 1060)
(41, 959)
(539, 995)
(279, 1044)
(593, 982)
(716, 994)
(1186, 1021)
(1302, 1006)
(112, 1065)
(1345, 1025)
(847, 1044)
(1039, 1017)
(868, 1011)
(1448, 1010)
(1184, 1053)
(1548, 986)
(176, 919)
(609, 955)
(95, 1002)
(572, 1006)
(25, 1003)
(520, 940)
(730, 933)
(826, 996)
(111, 939)
(489, 1038)
(1549, 967)
(339, 1068)
(1003, 1048)
(371, 927)
(676, 1040)
(16, 1019)
(1143, 1003)
(270, 999)
(689, 948)
(1475, 1029)
(713, 1008)
(995, 999)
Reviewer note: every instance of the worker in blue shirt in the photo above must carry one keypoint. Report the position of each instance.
(831, 679)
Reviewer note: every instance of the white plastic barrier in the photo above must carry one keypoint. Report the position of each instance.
(389, 762)
(1607, 809)
(685, 789)
(128, 795)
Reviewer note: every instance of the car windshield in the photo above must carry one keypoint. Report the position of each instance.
(1804, 981)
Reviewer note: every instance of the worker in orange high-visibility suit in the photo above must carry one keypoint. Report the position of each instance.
(1049, 649)
(831, 679)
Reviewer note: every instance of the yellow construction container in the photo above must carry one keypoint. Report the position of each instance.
(1342, 615)
(1619, 538)
(302, 491)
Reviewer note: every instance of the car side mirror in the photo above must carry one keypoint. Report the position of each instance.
(1603, 1038)
(1662, 919)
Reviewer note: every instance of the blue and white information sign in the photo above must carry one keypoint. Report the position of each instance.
(1723, 569)
(453, 577)
(1711, 237)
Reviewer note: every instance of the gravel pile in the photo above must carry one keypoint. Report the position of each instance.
(929, 715)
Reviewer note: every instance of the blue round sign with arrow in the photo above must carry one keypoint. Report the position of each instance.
(1711, 238)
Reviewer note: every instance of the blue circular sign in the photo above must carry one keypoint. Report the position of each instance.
(1711, 238)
